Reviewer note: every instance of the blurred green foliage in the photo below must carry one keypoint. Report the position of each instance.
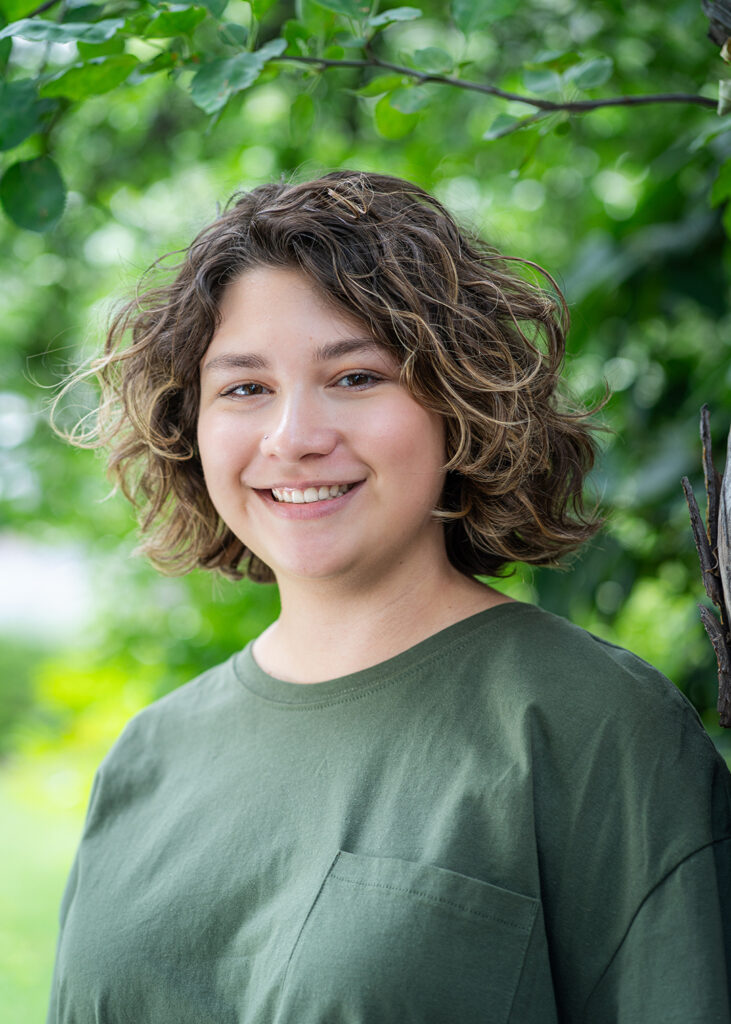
(625, 205)
(616, 202)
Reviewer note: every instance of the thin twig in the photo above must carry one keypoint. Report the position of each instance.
(706, 557)
(717, 636)
(712, 480)
(714, 553)
(575, 106)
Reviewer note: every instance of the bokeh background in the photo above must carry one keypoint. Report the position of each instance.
(618, 203)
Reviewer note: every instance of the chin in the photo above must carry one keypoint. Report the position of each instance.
(314, 567)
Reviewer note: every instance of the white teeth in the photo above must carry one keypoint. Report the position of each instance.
(294, 496)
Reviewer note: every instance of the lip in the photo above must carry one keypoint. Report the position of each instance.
(307, 510)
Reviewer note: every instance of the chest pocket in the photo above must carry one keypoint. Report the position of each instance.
(393, 941)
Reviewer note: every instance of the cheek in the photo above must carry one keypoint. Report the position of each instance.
(416, 441)
(222, 449)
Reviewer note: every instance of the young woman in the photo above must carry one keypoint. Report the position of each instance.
(410, 799)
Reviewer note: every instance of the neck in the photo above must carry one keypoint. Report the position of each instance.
(329, 629)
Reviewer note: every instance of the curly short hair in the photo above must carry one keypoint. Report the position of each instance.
(477, 342)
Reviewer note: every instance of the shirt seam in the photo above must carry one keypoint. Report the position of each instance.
(357, 692)
(661, 881)
(438, 900)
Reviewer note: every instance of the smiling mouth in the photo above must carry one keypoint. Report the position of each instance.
(295, 496)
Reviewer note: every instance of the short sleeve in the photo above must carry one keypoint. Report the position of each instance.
(674, 963)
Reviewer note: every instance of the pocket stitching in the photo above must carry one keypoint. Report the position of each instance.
(439, 901)
(310, 910)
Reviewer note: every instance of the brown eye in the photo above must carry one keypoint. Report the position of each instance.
(247, 390)
(355, 381)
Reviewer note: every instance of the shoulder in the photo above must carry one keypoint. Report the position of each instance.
(173, 722)
(547, 661)
(609, 736)
(592, 717)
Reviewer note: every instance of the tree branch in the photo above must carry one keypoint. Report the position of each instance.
(714, 552)
(575, 106)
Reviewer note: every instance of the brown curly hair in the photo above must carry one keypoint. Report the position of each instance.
(477, 342)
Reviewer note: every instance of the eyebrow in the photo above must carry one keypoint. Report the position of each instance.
(253, 361)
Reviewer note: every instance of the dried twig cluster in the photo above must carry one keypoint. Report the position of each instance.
(713, 543)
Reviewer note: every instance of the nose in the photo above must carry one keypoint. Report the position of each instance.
(300, 427)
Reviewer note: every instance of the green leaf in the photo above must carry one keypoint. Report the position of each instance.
(91, 79)
(722, 185)
(409, 99)
(590, 73)
(34, 30)
(6, 45)
(395, 14)
(433, 60)
(301, 118)
(350, 42)
(555, 60)
(261, 7)
(727, 220)
(357, 9)
(714, 128)
(20, 112)
(296, 35)
(504, 124)
(33, 194)
(542, 81)
(469, 15)
(380, 84)
(80, 12)
(391, 123)
(215, 7)
(218, 80)
(162, 62)
(176, 20)
(106, 49)
(233, 35)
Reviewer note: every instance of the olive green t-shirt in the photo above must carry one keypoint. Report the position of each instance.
(512, 821)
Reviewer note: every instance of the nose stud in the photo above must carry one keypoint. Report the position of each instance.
(266, 437)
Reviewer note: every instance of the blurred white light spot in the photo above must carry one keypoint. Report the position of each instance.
(45, 589)
(461, 194)
(18, 483)
(620, 373)
(46, 269)
(617, 192)
(257, 162)
(528, 194)
(109, 245)
(16, 419)
(266, 105)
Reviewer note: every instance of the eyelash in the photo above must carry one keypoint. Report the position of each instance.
(235, 387)
(372, 378)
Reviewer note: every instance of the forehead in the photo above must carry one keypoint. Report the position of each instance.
(266, 292)
(267, 312)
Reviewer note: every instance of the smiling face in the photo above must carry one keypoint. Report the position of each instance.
(315, 455)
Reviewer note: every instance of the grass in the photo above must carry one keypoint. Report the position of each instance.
(37, 843)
